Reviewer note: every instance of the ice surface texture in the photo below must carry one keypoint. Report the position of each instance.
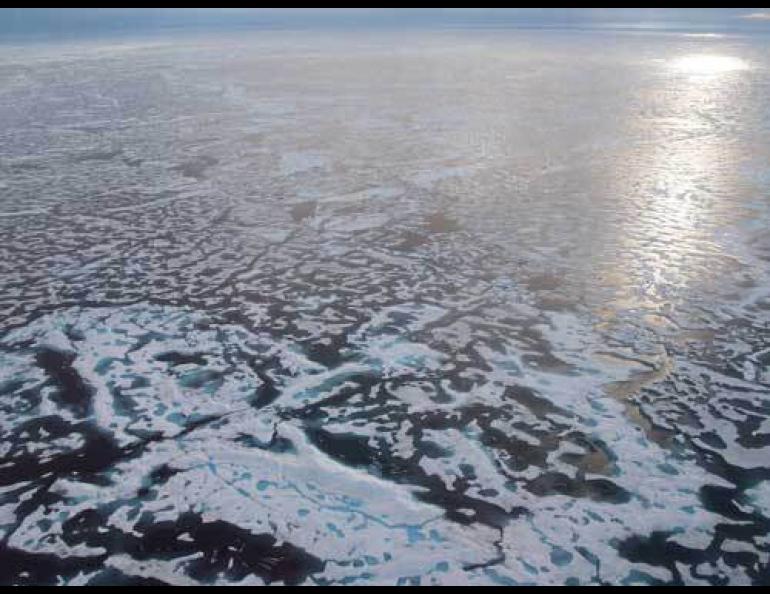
(460, 307)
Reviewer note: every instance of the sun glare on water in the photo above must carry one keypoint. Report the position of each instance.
(707, 64)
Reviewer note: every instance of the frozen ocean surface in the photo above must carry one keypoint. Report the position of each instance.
(437, 307)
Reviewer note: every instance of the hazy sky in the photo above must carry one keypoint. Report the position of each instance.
(53, 21)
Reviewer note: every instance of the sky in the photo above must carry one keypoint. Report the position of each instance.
(52, 22)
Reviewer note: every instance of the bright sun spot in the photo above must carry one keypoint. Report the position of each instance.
(707, 64)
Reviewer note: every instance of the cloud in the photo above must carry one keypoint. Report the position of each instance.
(756, 16)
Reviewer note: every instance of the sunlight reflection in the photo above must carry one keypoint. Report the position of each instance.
(683, 167)
(707, 64)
